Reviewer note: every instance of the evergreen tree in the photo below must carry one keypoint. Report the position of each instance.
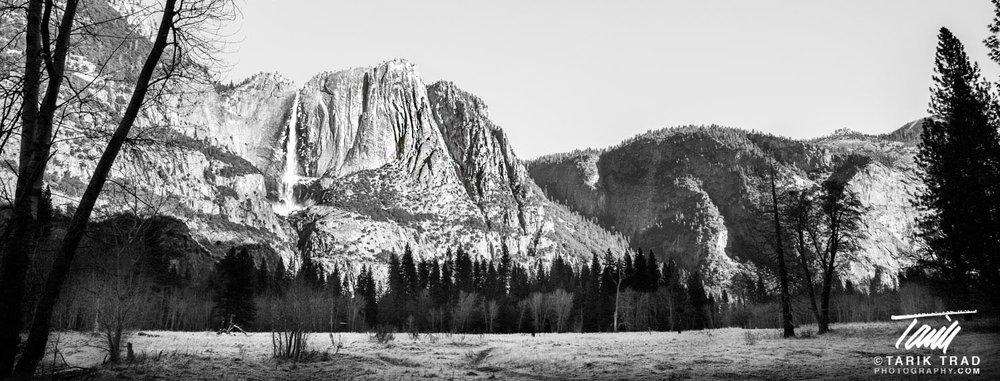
(463, 272)
(234, 293)
(448, 277)
(641, 277)
(653, 272)
(423, 274)
(503, 271)
(262, 279)
(875, 286)
(478, 275)
(366, 289)
(609, 290)
(492, 282)
(312, 274)
(592, 319)
(629, 271)
(408, 274)
(993, 41)
(438, 294)
(560, 275)
(583, 299)
(699, 300)
(397, 284)
(520, 283)
(279, 278)
(541, 280)
(677, 297)
(959, 155)
(334, 282)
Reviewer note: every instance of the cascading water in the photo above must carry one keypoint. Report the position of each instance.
(291, 175)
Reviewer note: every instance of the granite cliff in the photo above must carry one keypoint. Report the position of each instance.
(690, 193)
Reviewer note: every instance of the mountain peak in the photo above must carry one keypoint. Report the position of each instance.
(909, 132)
(844, 131)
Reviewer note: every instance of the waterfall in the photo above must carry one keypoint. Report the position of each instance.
(291, 175)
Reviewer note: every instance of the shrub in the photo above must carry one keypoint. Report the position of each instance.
(383, 335)
(337, 343)
(291, 345)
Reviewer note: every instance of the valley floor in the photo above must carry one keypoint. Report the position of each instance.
(730, 353)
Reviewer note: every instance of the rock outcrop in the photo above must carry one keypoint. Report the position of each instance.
(389, 162)
(690, 193)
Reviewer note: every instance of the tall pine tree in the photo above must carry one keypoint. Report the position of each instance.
(235, 291)
(959, 155)
(408, 273)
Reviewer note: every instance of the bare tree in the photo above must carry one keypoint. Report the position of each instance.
(464, 308)
(177, 40)
(117, 284)
(10, 84)
(37, 112)
(354, 307)
(619, 279)
(438, 316)
(536, 303)
(122, 291)
(490, 312)
(290, 335)
(560, 305)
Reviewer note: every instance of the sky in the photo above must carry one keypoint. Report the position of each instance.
(562, 75)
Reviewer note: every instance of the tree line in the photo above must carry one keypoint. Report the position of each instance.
(631, 291)
(459, 293)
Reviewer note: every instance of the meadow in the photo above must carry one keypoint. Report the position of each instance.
(848, 352)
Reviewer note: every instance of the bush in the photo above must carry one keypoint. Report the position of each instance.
(292, 345)
(337, 343)
(383, 335)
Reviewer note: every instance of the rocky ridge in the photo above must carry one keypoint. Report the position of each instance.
(688, 193)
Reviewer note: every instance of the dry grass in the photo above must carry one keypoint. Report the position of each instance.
(846, 353)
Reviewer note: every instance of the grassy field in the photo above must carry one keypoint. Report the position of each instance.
(730, 353)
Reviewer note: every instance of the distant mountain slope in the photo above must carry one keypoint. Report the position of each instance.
(687, 192)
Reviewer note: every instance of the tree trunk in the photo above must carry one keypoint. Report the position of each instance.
(786, 313)
(35, 347)
(829, 269)
(16, 240)
(670, 309)
(21, 235)
(824, 316)
(618, 291)
(804, 261)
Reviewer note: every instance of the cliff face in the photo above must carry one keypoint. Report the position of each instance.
(364, 119)
(493, 177)
(247, 119)
(388, 162)
(692, 193)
